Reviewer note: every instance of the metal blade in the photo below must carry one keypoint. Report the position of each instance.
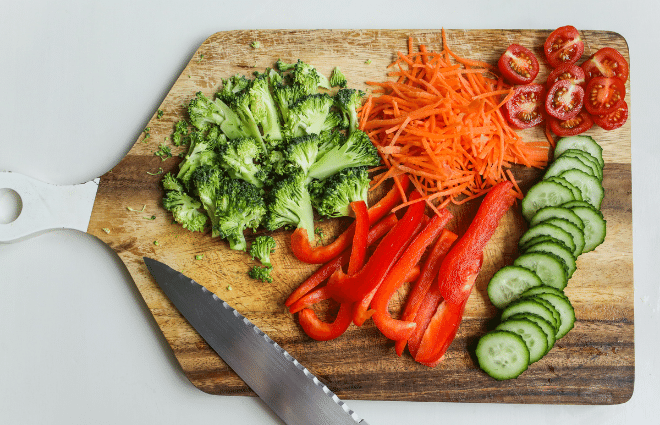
(285, 385)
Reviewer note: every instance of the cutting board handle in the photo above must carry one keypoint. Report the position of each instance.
(46, 206)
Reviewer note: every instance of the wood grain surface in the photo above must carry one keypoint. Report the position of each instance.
(593, 364)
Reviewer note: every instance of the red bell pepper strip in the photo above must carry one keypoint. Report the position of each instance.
(353, 288)
(324, 272)
(322, 331)
(428, 275)
(360, 237)
(304, 252)
(401, 329)
(440, 332)
(462, 261)
(423, 317)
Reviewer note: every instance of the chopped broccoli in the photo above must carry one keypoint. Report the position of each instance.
(261, 273)
(172, 183)
(200, 152)
(232, 86)
(357, 150)
(163, 152)
(256, 44)
(337, 78)
(241, 106)
(206, 181)
(348, 100)
(264, 109)
(305, 75)
(239, 206)
(285, 96)
(311, 114)
(240, 157)
(180, 135)
(303, 151)
(185, 210)
(261, 249)
(203, 112)
(328, 140)
(332, 197)
(289, 204)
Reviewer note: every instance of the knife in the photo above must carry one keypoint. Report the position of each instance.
(286, 386)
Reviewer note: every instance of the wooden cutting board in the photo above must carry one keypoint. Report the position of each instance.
(593, 364)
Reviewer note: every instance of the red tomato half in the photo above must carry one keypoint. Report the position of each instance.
(614, 119)
(518, 65)
(564, 100)
(602, 95)
(607, 62)
(579, 124)
(568, 71)
(563, 45)
(525, 108)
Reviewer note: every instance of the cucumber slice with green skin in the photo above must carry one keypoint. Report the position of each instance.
(560, 251)
(582, 143)
(539, 239)
(565, 309)
(556, 212)
(548, 230)
(544, 194)
(508, 283)
(576, 233)
(555, 313)
(587, 159)
(576, 192)
(591, 188)
(543, 289)
(572, 204)
(548, 267)
(546, 326)
(566, 163)
(534, 306)
(531, 333)
(595, 227)
(502, 354)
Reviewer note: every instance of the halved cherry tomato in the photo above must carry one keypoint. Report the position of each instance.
(602, 95)
(607, 62)
(518, 65)
(568, 71)
(564, 100)
(579, 124)
(525, 108)
(614, 119)
(564, 45)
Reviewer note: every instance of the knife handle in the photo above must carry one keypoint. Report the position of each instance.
(44, 206)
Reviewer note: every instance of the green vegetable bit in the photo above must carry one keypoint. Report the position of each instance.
(261, 273)
(261, 249)
(163, 152)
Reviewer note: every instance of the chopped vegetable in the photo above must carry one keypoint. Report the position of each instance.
(261, 273)
(261, 249)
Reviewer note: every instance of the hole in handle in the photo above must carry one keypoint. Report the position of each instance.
(11, 205)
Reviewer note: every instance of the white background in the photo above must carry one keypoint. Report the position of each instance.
(78, 82)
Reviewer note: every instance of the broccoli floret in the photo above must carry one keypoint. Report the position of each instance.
(232, 86)
(328, 140)
(261, 249)
(185, 210)
(285, 96)
(302, 151)
(348, 100)
(170, 182)
(203, 113)
(289, 204)
(241, 106)
(239, 206)
(356, 151)
(261, 273)
(337, 78)
(332, 197)
(305, 75)
(200, 152)
(264, 109)
(240, 157)
(310, 115)
(206, 181)
(180, 134)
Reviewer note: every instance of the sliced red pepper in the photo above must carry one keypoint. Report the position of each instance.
(360, 237)
(304, 252)
(324, 272)
(427, 276)
(427, 309)
(353, 288)
(458, 269)
(319, 330)
(440, 332)
(401, 329)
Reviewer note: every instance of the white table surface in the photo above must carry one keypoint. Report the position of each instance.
(78, 82)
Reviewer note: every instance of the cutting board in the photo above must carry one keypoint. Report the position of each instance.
(593, 364)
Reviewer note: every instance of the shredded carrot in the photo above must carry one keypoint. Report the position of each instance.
(440, 123)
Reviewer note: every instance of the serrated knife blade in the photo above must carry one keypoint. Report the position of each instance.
(285, 385)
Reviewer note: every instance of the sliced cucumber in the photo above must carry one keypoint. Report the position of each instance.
(551, 307)
(538, 240)
(590, 187)
(587, 159)
(543, 289)
(565, 310)
(509, 282)
(576, 233)
(547, 230)
(580, 142)
(595, 227)
(502, 354)
(560, 251)
(572, 204)
(576, 192)
(531, 333)
(556, 212)
(566, 163)
(548, 267)
(544, 194)
(534, 306)
(547, 327)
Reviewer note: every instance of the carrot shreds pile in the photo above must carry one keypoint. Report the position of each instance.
(439, 121)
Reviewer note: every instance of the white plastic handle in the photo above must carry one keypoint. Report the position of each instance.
(47, 206)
